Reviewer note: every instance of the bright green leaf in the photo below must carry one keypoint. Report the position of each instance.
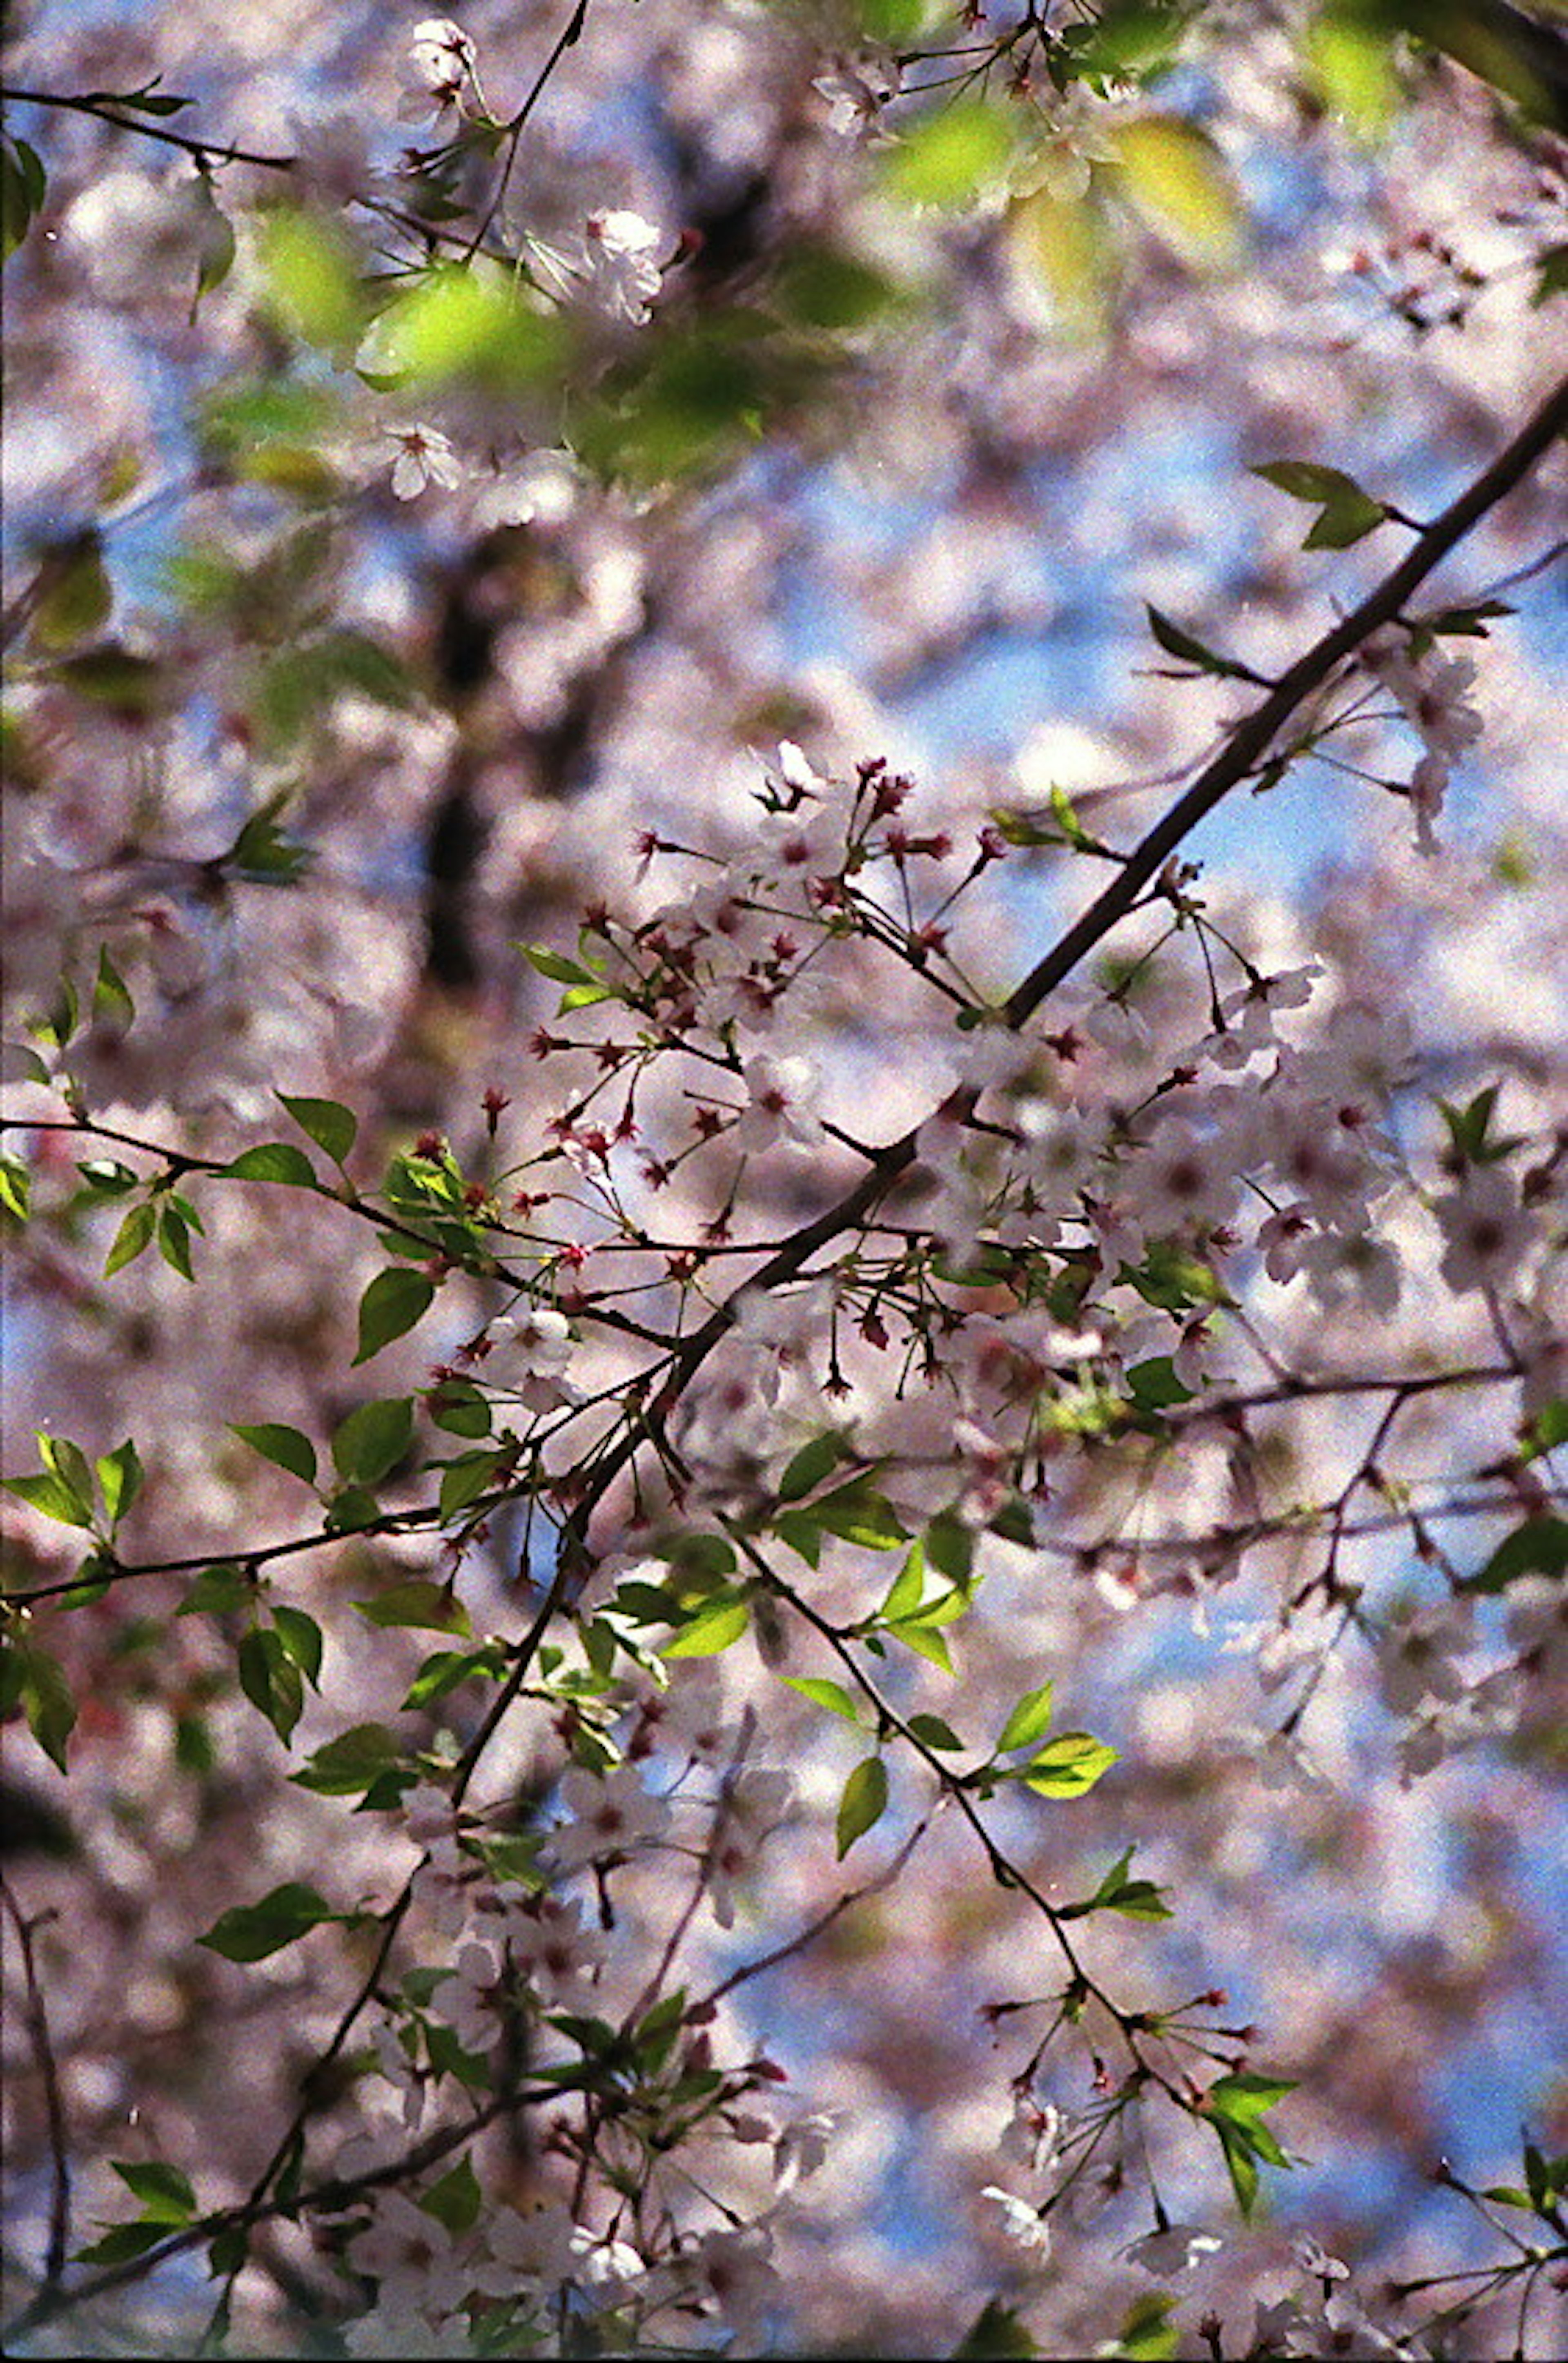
(823, 1692)
(1068, 1764)
(1028, 1721)
(863, 1801)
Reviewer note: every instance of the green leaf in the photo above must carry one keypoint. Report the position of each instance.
(164, 2192)
(270, 1680)
(300, 1636)
(1538, 1546)
(1181, 645)
(112, 1003)
(823, 1692)
(1154, 1386)
(175, 1241)
(924, 1639)
(39, 1681)
(329, 1124)
(124, 2242)
(466, 1478)
(458, 1406)
(274, 1161)
(455, 2200)
(249, 1932)
(1246, 2097)
(1029, 1720)
(556, 966)
(1347, 514)
(347, 1765)
(935, 1732)
(15, 1186)
(284, 1446)
(119, 1480)
(448, 1668)
(1067, 1766)
(856, 1513)
(373, 1439)
(52, 1498)
(996, 2335)
(810, 1465)
(396, 1300)
(428, 1606)
(1175, 176)
(862, 1804)
(132, 1237)
(217, 1592)
(907, 1588)
(950, 157)
(713, 1629)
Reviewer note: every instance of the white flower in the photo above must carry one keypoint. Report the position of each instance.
(410, 2254)
(1487, 1228)
(543, 1341)
(421, 456)
(1021, 2221)
(1174, 2248)
(618, 266)
(1062, 166)
(611, 1814)
(856, 90)
(778, 1113)
(751, 1806)
(438, 70)
(1033, 2135)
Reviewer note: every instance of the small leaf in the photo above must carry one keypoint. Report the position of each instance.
(132, 1237)
(217, 1592)
(249, 1932)
(300, 1636)
(119, 1480)
(52, 1498)
(455, 2200)
(175, 1241)
(950, 157)
(346, 1766)
(824, 1691)
(907, 1587)
(1538, 1546)
(111, 996)
(862, 1804)
(285, 1446)
(270, 1681)
(458, 1406)
(15, 1186)
(448, 1668)
(713, 1629)
(1068, 1764)
(163, 2190)
(1180, 644)
(1028, 1721)
(330, 1125)
(810, 1465)
(935, 1732)
(46, 1700)
(924, 1639)
(274, 1161)
(396, 1300)
(466, 1478)
(373, 1439)
(124, 2242)
(1246, 2097)
(426, 1606)
(856, 1513)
